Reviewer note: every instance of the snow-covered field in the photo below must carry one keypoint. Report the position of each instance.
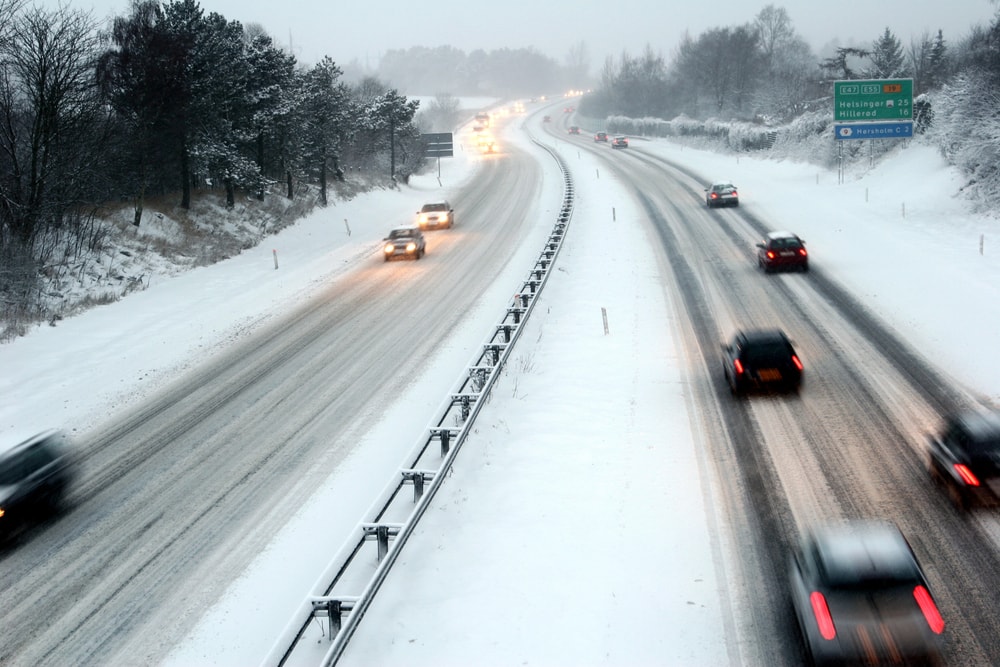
(525, 543)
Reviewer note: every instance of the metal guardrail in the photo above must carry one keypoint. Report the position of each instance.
(348, 585)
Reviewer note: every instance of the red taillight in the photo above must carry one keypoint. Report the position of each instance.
(929, 609)
(822, 613)
(802, 252)
(738, 366)
(771, 254)
(736, 194)
(966, 474)
(795, 360)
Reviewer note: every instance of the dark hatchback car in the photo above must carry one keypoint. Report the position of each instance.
(861, 598)
(601, 136)
(619, 142)
(574, 129)
(964, 459)
(34, 478)
(761, 359)
(782, 251)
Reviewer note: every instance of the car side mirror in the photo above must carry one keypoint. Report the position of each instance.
(760, 245)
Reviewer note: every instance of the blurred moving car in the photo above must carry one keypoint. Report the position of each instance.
(721, 194)
(601, 136)
(861, 598)
(574, 129)
(547, 119)
(34, 478)
(619, 142)
(782, 250)
(964, 458)
(761, 359)
(435, 215)
(404, 242)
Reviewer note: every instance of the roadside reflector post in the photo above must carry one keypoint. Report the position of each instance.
(604, 316)
(275, 253)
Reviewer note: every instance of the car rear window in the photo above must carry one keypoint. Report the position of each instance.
(767, 353)
(785, 243)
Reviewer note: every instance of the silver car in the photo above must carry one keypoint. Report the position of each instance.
(861, 598)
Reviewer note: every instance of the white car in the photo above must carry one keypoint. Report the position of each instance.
(435, 215)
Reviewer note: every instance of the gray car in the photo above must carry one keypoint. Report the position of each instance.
(722, 194)
(406, 242)
(861, 598)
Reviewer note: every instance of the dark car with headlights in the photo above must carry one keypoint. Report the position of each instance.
(406, 242)
(436, 215)
(34, 478)
(861, 598)
(619, 142)
(761, 359)
(601, 136)
(782, 251)
(964, 458)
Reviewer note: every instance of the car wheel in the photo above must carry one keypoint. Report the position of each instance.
(736, 203)
(805, 268)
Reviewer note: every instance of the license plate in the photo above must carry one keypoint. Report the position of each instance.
(769, 374)
(788, 253)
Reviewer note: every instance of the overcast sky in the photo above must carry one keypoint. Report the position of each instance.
(364, 30)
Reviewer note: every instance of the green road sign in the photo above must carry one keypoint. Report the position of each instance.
(881, 99)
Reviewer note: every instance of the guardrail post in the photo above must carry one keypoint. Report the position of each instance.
(382, 537)
(332, 610)
(533, 285)
(524, 301)
(506, 333)
(445, 438)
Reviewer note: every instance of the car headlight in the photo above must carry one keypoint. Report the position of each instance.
(388, 248)
(444, 216)
(411, 246)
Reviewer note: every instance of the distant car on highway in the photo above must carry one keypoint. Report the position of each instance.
(721, 194)
(861, 598)
(547, 119)
(435, 215)
(407, 242)
(964, 458)
(761, 359)
(601, 136)
(782, 250)
(619, 142)
(34, 478)
(574, 129)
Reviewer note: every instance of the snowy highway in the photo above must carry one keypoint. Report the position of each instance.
(615, 506)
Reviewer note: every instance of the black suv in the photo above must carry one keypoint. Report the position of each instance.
(34, 477)
(761, 359)
(965, 458)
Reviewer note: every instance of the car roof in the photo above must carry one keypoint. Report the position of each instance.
(24, 443)
(782, 235)
(763, 335)
(980, 425)
(406, 229)
(865, 551)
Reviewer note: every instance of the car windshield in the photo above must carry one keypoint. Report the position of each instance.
(401, 234)
(428, 208)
